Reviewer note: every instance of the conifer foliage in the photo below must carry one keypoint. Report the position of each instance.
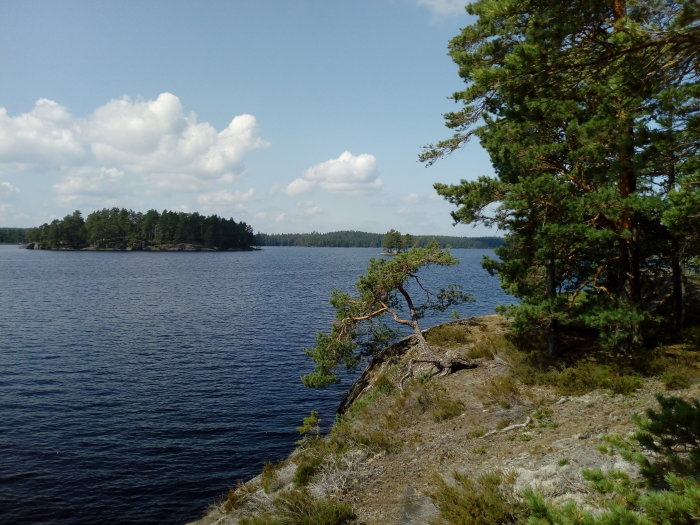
(589, 111)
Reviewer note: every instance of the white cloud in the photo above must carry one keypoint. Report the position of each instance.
(224, 197)
(156, 138)
(347, 174)
(281, 217)
(47, 135)
(145, 146)
(314, 210)
(298, 186)
(310, 208)
(6, 189)
(85, 180)
(411, 198)
(444, 7)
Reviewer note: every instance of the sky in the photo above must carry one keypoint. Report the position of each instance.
(290, 115)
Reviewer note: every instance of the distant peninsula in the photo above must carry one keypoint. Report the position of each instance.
(358, 239)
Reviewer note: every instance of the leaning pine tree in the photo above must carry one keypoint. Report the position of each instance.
(384, 292)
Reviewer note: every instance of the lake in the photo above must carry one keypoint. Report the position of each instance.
(135, 387)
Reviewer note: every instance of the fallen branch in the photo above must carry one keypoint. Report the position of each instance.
(509, 427)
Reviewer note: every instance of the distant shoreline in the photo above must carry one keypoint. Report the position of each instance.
(182, 247)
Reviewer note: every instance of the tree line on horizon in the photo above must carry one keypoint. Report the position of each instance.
(358, 239)
(119, 228)
(13, 235)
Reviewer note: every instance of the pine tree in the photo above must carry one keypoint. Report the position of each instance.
(565, 98)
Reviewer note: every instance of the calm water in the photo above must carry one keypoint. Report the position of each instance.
(136, 387)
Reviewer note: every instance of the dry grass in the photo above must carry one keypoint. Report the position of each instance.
(448, 335)
(503, 390)
(242, 496)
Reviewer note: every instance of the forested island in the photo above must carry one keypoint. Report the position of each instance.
(122, 229)
(358, 239)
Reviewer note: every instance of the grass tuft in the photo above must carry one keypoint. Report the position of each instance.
(298, 507)
(448, 335)
(503, 390)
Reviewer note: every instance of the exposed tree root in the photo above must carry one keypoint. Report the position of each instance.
(444, 365)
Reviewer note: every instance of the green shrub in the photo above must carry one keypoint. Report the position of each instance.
(673, 435)
(624, 384)
(369, 425)
(385, 385)
(678, 377)
(487, 500)
(539, 512)
(613, 482)
(680, 505)
(375, 439)
(430, 397)
(306, 470)
(584, 377)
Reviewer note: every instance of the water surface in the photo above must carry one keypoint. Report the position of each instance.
(136, 386)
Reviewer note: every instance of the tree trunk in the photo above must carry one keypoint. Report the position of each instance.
(553, 327)
(628, 272)
(676, 269)
(677, 278)
(628, 229)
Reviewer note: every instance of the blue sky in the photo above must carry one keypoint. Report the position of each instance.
(292, 116)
